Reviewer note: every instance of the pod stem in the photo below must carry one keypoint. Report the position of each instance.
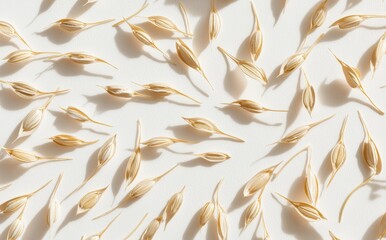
(288, 161)
(377, 109)
(314, 124)
(136, 227)
(145, 4)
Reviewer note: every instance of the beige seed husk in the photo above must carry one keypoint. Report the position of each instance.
(141, 35)
(121, 92)
(353, 21)
(53, 213)
(296, 60)
(377, 54)
(136, 227)
(308, 96)
(70, 141)
(214, 22)
(382, 227)
(305, 210)
(204, 125)
(338, 153)
(88, 201)
(26, 91)
(215, 157)
(164, 89)
(17, 227)
(24, 54)
(74, 25)
(248, 68)
(187, 56)
(259, 181)
(166, 24)
(353, 78)
(298, 133)
(162, 142)
(28, 157)
(251, 212)
(99, 235)
(134, 161)
(81, 116)
(222, 223)
(311, 184)
(266, 234)
(333, 237)
(206, 213)
(81, 58)
(145, 5)
(252, 106)
(185, 16)
(256, 37)
(7, 30)
(173, 205)
(152, 228)
(138, 191)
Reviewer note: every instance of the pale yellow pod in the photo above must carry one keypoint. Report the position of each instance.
(173, 205)
(251, 212)
(70, 141)
(53, 213)
(74, 25)
(308, 96)
(252, 106)
(27, 91)
(22, 55)
(7, 30)
(107, 151)
(333, 237)
(318, 16)
(88, 201)
(259, 181)
(215, 157)
(162, 142)
(16, 229)
(206, 213)
(166, 24)
(28, 157)
(256, 37)
(152, 229)
(377, 54)
(353, 21)
(80, 116)
(134, 161)
(214, 22)
(81, 58)
(121, 92)
(222, 223)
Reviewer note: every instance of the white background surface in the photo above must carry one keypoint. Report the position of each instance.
(145, 65)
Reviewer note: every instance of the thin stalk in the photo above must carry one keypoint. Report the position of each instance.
(231, 136)
(288, 161)
(145, 4)
(186, 19)
(100, 22)
(377, 109)
(222, 50)
(136, 227)
(314, 124)
(185, 95)
(307, 52)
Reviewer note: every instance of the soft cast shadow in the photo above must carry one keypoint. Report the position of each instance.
(104, 102)
(376, 190)
(239, 200)
(364, 61)
(295, 105)
(243, 52)
(56, 35)
(234, 80)
(278, 149)
(277, 7)
(187, 132)
(44, 6)
(13, 172)
(117, 182)
(197, 162)
(52, 149)
(193, 227)
(150, 153)
(10, 101)
(305, 23)
(372, 232)
(201, 31)
(334, 34)
(244, 117)
(79, 8)
(7, 68)
(37, 227)
(70, 217)
(325, 170)
(351, 4)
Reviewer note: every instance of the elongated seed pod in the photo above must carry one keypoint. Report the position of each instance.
(7, 30)
(206, 213)
(251, 212)
(88, 201)
(70, 141)
(222, 223)
(259, 181)
(80, 116)
(173, 205)
(377, 54)
(311, 183)
(74, 25)
(22, 55)
(214, 22)
(353, 21)
(53, 213)
(308, 96)
(162, 142)
(26, 91)
(121, 92)
(28, 157)
(166, 24)
(81, 58)
(17, 227)
(134, 161)
(252, 106)
(152, 228)
(214, 157)
(256, 37)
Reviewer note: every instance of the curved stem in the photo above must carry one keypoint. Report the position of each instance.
(274, 110)
(314, 124)
(185, 95)
(37, 190)
(104, 61)
(255, 17)
(206, 78)
(222, 50)
(371, 101)
(166, 56)
(136, 227)
(156, 179)
(100, 123)
(231, 136)
(100, 22)
(288, 161)
(22, 39)
(108, 212)
(108, 226)
(343, 129)
(133, 15)
(313, 45)
(186, 19)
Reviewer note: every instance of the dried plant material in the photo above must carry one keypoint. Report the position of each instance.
(173, 205)
(162, 142)
(214, 22)
(134, 161)
(19, 202)
(99, 235)
(121, 92)
(305, 210)
(296, 60)
(163, 90)
(256, 37)
(248, 68)
(298, 133)
(189, 58)
(81, 116)
(372, 160)
(333, 237)
(204, 125)
(252, 106)
(88, 201)
(215, 157)
(73, 25)
(70, 141)
(136, 227)
(353, 78)
(7, 30)
(353, 21)
(382, 227)
(26, 91)
(53, 213)
(251, 212)
(266, 234)
(138, 191)
(141, 35)
(28, 157)
(105, 154)
(185, 16)
(22, 55)
(81, 58)
(206, 213)
(311, 184)
(338, 153)
(3, 187)
(152, 228)
(290, 160)
(259, 181)
(222, 223)
(308, 96)
(17, 227)
(166, 24)
(145, 5)
(377, 55)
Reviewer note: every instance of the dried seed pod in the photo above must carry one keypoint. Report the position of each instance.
(54, 206)
(305, 210)
(311, 184)
(32, 121)
(377, 55)
(163, 89)
(121, 92)
(248, 68)
(26, 91)
(145, 5)
(206, 213)
(166, 24)
(134, 161)
(7, 30)
(81, 58)
(73, 25)
(252, 106)
(353, 21)
(81, 116)
(88, 201)
(135, 228)
(338, 153)
(152, 228)
(70, 141)
(222, 223)
(333, 237)
(138, 191)
(162, 142)
(205, 125)
(298, 133)
(17, 227)
(185, 16)
(189, 58)
(308, 97)
(28, 157)
(214, 22)
(256, 37)
(22, 55)
(296, 60)
(266, 234)
(173, 205)
(251, 212)
(259, 181)
(215, 157)
(141, 35)
(99, 235)
(353, 78)
(382, 227)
